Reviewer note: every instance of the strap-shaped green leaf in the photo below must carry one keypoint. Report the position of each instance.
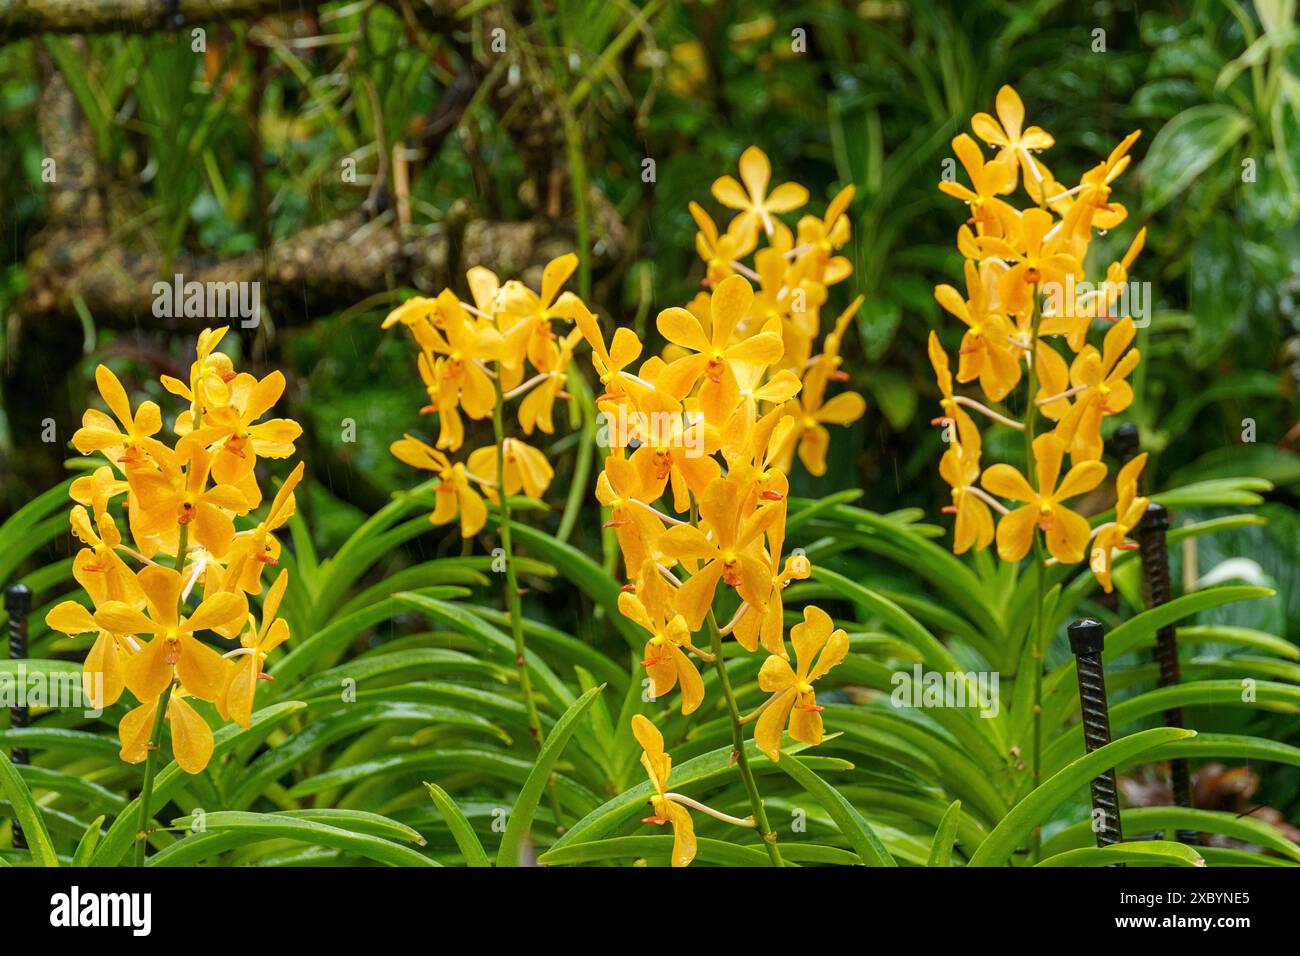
(851, 823)
(461, 829)
(521, 814)
(27, 813)
(1035, 809)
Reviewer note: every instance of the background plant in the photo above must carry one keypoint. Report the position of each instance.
(874, 100)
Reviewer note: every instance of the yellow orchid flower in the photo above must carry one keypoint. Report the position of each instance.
(258, 546)
(526, 469)
(752, 626)
(134, 441)
(98, 568)
(666, 661)
(1094, 189)
(737, 400)
(960, 468)
(953, 413)
(1100, 379)
(531, 334)
(757, 205)
(192, 738)
(1130, 508)
(819, 238)
(274, 631)
(414, 311)
(761, 457)
(990, 215)
(236, 435)
(170, 497)
(210, 376)
(830, 357)
(103, 673)
(1015, 143)
(818, 646)
(535, 410)
(97, 490)
(658, 764)
(174, 651)
(621, 386)
(635, 524)
(454, 494)
(1074, 323)
(1036, 258)
(719, 251)
(730, 550)
(1066, 531)
(710, 353)
(810, 438)
(680, 455)
(463, 346)
(772, 300)
(1054, 391)
(986, 350)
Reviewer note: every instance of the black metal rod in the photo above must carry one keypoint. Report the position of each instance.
(1151, 538)
(1087, 638)
(18, 603)
(1126, 442)
(1155, 574)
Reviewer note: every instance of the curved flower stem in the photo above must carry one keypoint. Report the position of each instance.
(155, 738)
(512, 588)
(150, 768)
(754, 715)
(686, 801)
(581, 391)
(738, 746)
(987, 498)
(985, 410)
(512, 583)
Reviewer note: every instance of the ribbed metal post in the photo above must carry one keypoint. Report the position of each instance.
(1155, 574)
(1087, 637)
(1126, 442)
(1150, 535)
(18, 604)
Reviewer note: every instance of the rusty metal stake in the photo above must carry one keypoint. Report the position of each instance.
(1087, 637)
(1155, 573)
(18, 603)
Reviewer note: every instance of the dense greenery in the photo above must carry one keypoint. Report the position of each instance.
(241, 148)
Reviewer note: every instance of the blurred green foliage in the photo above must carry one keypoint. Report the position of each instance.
(870, 92)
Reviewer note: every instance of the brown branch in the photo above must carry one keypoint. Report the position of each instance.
(24, 18)
(320, 269)
(20, 19)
